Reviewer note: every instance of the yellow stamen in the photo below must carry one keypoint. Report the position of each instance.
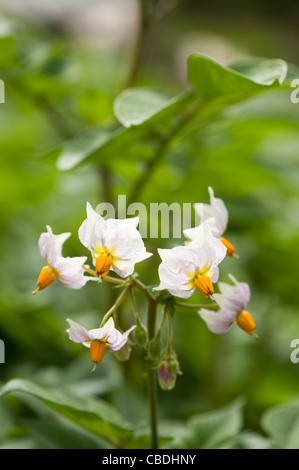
(246, 322)
(103, 265)
(45, 278)
(97, 351)
(229, 246)
(204, 285)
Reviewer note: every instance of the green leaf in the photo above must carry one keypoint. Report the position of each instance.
(95, 416)
(134, 106)
(210, 79)
(251, 440)
(282, 425)
(61, 434)
(84, 145)
(214, 429)
(102, 143)
(262, 71)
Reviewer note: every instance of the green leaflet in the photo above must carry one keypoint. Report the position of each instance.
(211, 79)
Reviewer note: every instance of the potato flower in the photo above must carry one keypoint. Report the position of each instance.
(98, 339)
(68, 271)
(232, 301)
(114, 244)
(193, 266)
(216, 214)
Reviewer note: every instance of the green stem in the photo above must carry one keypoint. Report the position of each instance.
(118, 301)
(196, 306)
(165, 143)
(152, 377)
(170, 331)
(140, 286)
(138, 46)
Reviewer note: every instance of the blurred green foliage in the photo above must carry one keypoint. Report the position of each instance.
(60, 114)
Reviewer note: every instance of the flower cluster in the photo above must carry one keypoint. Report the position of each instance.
(116, 246)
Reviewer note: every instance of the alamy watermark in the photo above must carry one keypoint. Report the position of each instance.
(295, 93)
(295, 353)
(157, 220)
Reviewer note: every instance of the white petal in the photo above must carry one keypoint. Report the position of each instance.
(119, 340)
(243, 288)
(103, 332)
(198, 232)
(216, 322)
(50, 245)
(230, 304)
(178, 266)
(77, 333)
(125, 243)
(71, 272)
(216, 209)
(90, 230)
(209, 251)
(233, 297)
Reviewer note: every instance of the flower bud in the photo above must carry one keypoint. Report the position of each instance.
(140, 335)
(154, 348)
(124, 353)
(167, 372)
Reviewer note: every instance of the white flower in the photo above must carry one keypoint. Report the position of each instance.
(232, 301)
(193, 266)
(68, 271)
(114, 243)
(98, 339)
(216, 215)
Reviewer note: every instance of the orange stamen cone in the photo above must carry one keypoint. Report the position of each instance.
(103, 265)
(97, 351)
(229, 246)
(45, 278)
(246, 322)
(204, 285)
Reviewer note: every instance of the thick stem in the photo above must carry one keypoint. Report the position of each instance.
(152, 377)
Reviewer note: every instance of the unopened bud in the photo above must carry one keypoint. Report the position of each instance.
(154, 348)
(140, 335)
(123, 353)
(167, 372)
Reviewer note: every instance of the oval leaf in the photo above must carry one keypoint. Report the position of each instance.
(136, 105)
